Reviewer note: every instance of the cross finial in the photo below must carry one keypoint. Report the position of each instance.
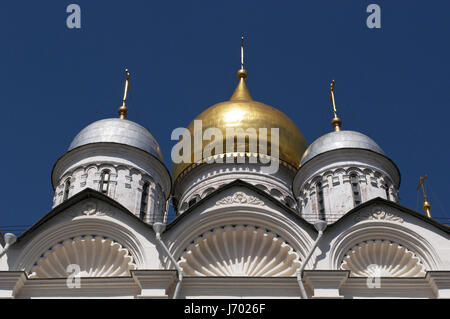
(336, 122)
(242, 73)
(426, 205)
(123, 110)
(242, 52)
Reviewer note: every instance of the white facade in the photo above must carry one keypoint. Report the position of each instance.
(114, 249)
(239, 233)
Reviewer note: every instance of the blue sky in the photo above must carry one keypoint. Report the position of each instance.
(392, 83)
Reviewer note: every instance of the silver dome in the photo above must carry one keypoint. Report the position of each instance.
(338, 140)
(119, 131)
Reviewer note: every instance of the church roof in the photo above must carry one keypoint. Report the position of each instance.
(379, 200)
(84, 194)
(340, 140)
(120, 131)
(241, 183)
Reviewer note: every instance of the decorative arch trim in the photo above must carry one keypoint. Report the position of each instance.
(389, 231)
(207, 216)
(87, 219)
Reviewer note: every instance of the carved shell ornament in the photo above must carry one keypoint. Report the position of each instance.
(380, 258)
(240, 251)
(95, 256)
(240, 198)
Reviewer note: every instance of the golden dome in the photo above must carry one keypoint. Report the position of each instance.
(241, 111)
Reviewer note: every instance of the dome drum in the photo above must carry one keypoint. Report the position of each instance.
(341, 170)
(203, 179)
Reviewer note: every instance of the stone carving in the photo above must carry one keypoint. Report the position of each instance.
(379, 214)
(91, 208)
(382, 258)
(240, 251)
(96, 256)
(240, 198)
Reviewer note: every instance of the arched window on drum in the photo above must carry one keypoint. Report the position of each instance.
(104, 181)
(356, 191)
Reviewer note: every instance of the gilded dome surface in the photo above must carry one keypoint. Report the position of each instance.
(241, 111)
(119, 131)
(339, 140)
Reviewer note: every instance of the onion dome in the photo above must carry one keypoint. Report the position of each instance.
(120, 131)
(340, 140)
(242, 112)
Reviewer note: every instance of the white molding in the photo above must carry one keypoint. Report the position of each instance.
(325, 284)
(154, 284)
(440, 283)
(160, 284)
(10, 283)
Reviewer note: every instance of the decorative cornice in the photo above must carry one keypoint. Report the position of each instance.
(440, 283)
(10, 283)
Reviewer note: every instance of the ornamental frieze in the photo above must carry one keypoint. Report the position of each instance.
(91, 208)
(379, 214)
(240, 198)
